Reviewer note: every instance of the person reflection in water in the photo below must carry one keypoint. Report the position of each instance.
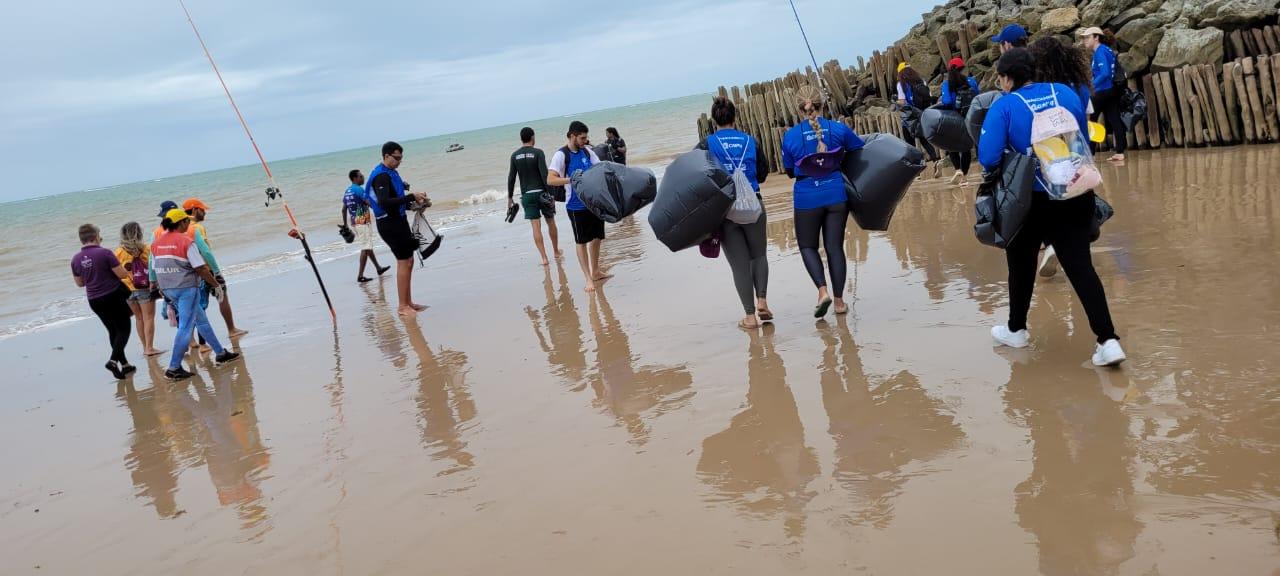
(223, 423)
(444, 402)
(558, 329)
(1079, 500)
(629, 393)
(150, 461)
(760, 462)
(878, 429)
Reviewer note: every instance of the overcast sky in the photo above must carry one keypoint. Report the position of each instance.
(101, 93)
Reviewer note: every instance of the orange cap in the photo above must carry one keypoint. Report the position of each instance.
(193, 203)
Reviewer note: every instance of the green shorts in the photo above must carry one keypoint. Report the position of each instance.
(533, 208)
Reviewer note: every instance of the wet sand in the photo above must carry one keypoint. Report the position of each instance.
(522, 426)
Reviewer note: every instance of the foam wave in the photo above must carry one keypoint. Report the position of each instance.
(483, 198)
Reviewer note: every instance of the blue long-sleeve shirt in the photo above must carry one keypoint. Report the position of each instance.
(1008, 123)
(948, 97)
(800, 141)
(1104, 67)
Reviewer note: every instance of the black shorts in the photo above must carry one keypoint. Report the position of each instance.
(394, 230)
(586, 227)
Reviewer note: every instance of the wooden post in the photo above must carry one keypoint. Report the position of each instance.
(1248, 42)
(1246, 113)
(1255, 100)
(1267, 89)
(1139, 124)
(1237, 43)
(1190, 107)
(1225, 130)
(1210, 129)
(1153, 111)
(1260, 40)
(1232, 106)
(1273, 41)
(944, 47)
(964, 41)
(1173, 108)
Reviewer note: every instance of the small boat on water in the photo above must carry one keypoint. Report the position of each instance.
(454, 147)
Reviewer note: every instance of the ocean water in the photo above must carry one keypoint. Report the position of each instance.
(38, 237)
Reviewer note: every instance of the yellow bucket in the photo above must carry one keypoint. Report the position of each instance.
(1097, 132)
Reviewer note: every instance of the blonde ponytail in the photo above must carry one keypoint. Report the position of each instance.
(807, 96)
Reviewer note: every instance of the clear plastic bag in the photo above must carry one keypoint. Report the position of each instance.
(1062, 148)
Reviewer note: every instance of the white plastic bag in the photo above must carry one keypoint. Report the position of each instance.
(746, 208)
(1063, 150)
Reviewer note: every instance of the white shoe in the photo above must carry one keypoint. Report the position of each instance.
(1108, 353)
(1018, 339)
(957, 177)
(1049, 265)
(937, 168)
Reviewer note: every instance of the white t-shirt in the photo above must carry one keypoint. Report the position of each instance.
(557, 165)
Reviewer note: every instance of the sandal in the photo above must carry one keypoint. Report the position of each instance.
(821, 309)
(743, 325)
(765, 315)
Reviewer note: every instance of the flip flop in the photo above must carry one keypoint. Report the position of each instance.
(743, 325)
(362, 279)
(821, 309)
(765, 315)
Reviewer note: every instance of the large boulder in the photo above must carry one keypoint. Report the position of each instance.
(1060, 20)
(1181, 47)
(1134, 62)
(1230, 12)
(1099, 12)
(1127, 16)
(1143, 34)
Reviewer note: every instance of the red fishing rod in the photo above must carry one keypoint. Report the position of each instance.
(273, 191)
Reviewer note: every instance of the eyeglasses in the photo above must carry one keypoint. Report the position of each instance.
(396, 158)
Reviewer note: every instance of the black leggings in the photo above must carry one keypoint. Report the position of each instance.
(1109, 104)
(1065, 225)
(745, 249)
(961, 160)
(827, 222)
(113, 309)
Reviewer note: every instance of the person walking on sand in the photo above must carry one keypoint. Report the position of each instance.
(617, 146)
(1065, 225)
(811, 153)
(135, 256)
(176, 270)
(745, 246)
(529, 164)
(198, 210)
(958, 91)
(1106, 93)
(913, 98)
(588, 230)
(355, 209)
(389, 198)
(97, 270)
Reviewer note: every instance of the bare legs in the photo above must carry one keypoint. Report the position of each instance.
(536, 226)
(404, 283)
(365, 256)
(144, 318)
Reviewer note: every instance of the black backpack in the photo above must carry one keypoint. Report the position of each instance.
(559, 192)
(1119, 79)
(920, 97)
(964, 97)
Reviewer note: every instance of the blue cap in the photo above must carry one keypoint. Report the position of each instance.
(165, 207)
(1010, 33)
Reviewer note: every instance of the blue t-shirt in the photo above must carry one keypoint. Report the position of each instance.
(948, 97)
(800, 141)
(580, 160)
(1104, 66)
(356, 203)
(727, 145)
(1008, 123)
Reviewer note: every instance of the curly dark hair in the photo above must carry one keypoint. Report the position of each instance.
(1063, 63)
(909, 76)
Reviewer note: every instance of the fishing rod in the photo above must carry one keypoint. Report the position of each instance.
(273, 190)
(821, 83)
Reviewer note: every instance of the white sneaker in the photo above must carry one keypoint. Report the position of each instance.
(1018, 339)
(1108, 353)
(957, 177)
(1049, 265)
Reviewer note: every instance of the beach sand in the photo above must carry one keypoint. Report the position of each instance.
(521, 425)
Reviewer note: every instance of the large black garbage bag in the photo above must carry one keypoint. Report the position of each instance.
(603, 151)
(880, 174)
(1102, 211)
(978, 112)
(693, 198)
(614, 191)
(946, 129)
(1004, 200)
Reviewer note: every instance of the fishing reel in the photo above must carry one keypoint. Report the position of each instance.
(272, 194)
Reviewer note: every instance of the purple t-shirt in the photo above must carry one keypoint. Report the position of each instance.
(94, 264)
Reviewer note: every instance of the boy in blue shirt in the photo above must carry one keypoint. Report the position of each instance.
(355, 210)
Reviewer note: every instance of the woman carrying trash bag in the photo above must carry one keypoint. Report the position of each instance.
(811, 153)
(1063, 224)
(744, 245)
(914, 97)
(958, 91)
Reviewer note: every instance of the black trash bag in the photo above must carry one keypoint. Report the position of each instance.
(603, 152)
(693, 198)
(978, 113)
(1004, 200)
(946, 129)
(880, 174)
(1102, 211)
(614, 191)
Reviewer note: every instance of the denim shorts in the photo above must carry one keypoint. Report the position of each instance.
(140, 296)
